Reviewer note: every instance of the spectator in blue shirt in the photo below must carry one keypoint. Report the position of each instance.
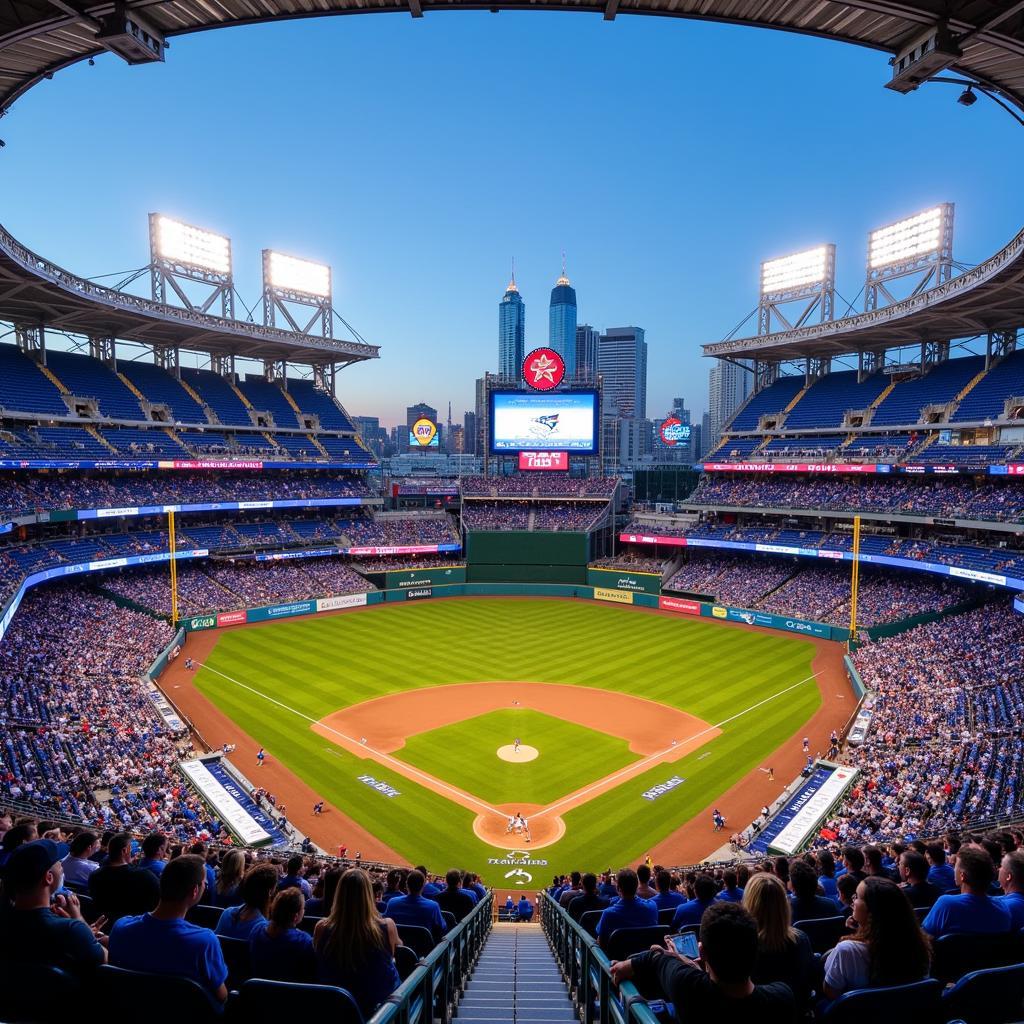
(705, 890)
(229, 880)
(939, 873)
(392, 886)
(278, 949)
(163, 942)
(78, 864)
(293, 877)
(320, 906)
(415, 910)
(524, 908)
(731, 891)
(667, 898)
(805, 903)
(607, 887)
(429, 889)
(1011, 879)
(255, 892)
(510, 905)
(154, 853)
(827, 875)
(628, 911)
(973, 912)
(474, 884)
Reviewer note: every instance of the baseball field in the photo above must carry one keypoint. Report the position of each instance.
(631, 724)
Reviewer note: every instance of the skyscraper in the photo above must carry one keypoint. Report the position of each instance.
(562, 322)
(586, 352)
(622, 363)
(511, 331)
(728, 387)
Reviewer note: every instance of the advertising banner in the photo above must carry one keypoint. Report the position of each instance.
(403, 579)
(794, 467)
(814, 806)
(543, 460)
(418, 593)
(236, 618)
(280, 611)
(679, 604)
(229, 810)
(651, 538)
(330, 604)
(406, 549)
(194, 622)
(174, 464)
(620, 579)
(616, 596)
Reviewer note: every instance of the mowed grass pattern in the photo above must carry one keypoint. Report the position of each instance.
(318, 665)
(465, 754)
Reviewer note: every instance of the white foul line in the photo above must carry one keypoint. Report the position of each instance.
(402, 767)
(632, 768)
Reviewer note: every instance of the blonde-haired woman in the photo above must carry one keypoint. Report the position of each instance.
(783, 952)
(229, 879)
(355, 946)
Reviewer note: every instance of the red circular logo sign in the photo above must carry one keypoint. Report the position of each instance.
(543, 369)
(671, 431)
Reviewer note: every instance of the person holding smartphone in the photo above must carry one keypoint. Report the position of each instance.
(718, 988)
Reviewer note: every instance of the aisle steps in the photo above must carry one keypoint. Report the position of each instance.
(516, 980)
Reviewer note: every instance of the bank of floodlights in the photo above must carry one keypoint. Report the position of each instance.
(291, 283)
(920, 246)
(807, 278)
(181, 253)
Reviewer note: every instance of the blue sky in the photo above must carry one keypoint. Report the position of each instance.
(668, 158)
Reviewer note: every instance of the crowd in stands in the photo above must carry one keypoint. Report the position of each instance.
(630, 560)
(961, 498)
(538, 485)
(24, 493)
(525, 515)
(77, 719)
(78, 899)
(224, 585)
(394, 563)
(821, 593)
(945, 745)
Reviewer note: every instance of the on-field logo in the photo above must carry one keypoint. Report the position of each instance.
(543, 369)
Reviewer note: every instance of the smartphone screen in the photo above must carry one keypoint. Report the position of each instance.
(685, 943)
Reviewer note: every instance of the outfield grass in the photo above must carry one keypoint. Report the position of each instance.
(464, 754)
(318, 665)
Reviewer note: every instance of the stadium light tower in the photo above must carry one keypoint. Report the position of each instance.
(920, 246)
(807, 277)
(290, 282)
(180, 253)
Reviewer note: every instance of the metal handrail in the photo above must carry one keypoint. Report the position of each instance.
(587, 972)
(432, 991)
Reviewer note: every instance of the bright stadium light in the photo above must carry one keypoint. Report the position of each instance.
(290, 274)
(796, 272)
(185, 245)
(909, 239)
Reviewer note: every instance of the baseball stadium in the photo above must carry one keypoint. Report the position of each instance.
(291, 728)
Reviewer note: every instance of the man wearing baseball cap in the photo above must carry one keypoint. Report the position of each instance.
(42, 927)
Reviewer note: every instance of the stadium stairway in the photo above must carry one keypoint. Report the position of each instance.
(516, 979)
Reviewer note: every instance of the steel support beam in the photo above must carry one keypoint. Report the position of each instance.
(104, 348)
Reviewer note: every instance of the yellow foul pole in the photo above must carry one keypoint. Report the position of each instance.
(172, 547)
(854, 581)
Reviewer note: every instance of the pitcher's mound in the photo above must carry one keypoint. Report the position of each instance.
(524, 753)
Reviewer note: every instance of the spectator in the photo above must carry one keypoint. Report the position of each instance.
(722, 993)
(1011, 880)
(355, 946)
(119, 887)
(524, 909)
(643, 889)
(78, 864)
(806, 904)
(973, 911)
(628, 911)
(846, 891)
(853, 862)
(229, 879)
(393, 888)
(689, 913)
(939, 872)
(413, 909)
(293, 877)
(163, 942)
(454, 898)
(278, 949)
(887, 948)
(827, 875)
(588, 899)
(731, 891)
(667, 897)
(256, 892)
(154, 853)
(39, 926)
(326, 885)
(566, 896)
(783, 953)
(914, 872)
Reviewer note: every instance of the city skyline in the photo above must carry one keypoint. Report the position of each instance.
(418, 271)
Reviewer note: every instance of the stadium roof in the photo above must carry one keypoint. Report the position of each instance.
(987, 298)
(33, 291)
(39, 37)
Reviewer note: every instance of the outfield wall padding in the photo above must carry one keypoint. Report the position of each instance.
(523, 556)
(625, 579)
